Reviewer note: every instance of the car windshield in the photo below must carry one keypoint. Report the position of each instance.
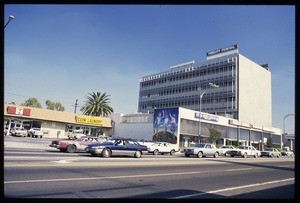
(201, 145)
(242, 147)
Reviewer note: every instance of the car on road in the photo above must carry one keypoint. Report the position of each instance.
(223, 150)
(287, 152)
(35, 132)
(270, 152)
(202, 150)
(163, 148)
(117, 147)
(244, 151)
(19, 132)
(77, 145)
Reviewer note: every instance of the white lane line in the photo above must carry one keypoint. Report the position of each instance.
(233, 188)
(238, 169)
(99, 178)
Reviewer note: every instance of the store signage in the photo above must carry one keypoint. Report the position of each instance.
(18, 111)
(207, 117)
(88, 120)
(225, 49)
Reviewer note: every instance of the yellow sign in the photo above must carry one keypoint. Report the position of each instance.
(89, 120)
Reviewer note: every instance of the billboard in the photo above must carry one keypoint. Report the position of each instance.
(165, 125)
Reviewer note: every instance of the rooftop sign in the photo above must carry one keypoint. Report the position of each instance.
(222, 50)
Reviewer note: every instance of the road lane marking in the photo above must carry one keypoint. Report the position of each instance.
(234, 188)
(99, 178)
(238, 169)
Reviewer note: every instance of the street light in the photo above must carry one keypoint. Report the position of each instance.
(9, 19)
(200, 105)
(291, 114)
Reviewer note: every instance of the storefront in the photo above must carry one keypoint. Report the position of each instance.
(186, 127)
(54, 123)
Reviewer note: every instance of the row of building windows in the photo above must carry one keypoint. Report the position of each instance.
(192, 127)
(182, 69)
(170, 90)
(229, 69)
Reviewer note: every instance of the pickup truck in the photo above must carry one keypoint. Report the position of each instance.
(244, 151)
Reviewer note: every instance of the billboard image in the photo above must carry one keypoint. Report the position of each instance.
(165, 124)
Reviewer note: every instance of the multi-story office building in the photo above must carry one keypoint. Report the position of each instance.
(243, 92)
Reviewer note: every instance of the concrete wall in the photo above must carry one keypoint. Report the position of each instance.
(255, 101)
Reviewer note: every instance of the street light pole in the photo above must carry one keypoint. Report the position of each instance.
(291, 114)
(200, 106)
(9, 19)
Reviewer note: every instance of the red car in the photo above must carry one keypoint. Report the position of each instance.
(77, 145)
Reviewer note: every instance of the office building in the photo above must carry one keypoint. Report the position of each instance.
(243, 93)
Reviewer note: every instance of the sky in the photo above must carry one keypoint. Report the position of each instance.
(64, 52)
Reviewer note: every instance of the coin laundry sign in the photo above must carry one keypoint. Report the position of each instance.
(88, 120)
(207, 117)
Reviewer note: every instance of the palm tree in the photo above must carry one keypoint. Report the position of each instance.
(97, 104)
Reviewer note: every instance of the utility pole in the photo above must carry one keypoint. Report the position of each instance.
(76, 105)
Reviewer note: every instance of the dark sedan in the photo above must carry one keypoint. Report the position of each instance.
(114, 147)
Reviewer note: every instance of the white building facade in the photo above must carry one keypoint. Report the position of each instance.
(185, 127)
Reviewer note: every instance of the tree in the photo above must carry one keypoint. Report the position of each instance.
(54, 105)
(214, 135)
(269, 142)
(97, 104)
(32, 102)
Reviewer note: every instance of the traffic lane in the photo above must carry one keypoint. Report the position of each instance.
(120, 183)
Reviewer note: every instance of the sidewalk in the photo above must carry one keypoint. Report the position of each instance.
(24, 145)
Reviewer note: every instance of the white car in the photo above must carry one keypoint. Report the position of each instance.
(162, 148)
(35, 132)
(19, 131)
(202, 150)
(224, 149)
(76, 134)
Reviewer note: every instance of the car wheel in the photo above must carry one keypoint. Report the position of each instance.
(62, 150)
(138, 154)
(271, 155)
(200, 155)
(256, 155)
(187, 155)
(172, 152)
(71, 148)
(216, 154)
(106, 153)
(155, 152)
(232, 155)
(278, 155)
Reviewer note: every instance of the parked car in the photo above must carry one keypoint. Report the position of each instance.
(162, 148)
(223, 150)
(19, 131)
(146, 142)
(77, 145)
(270, 152)
(287, 152)
(244, 151)
(120, 146)
(202, 150)
(35, 132)
(75, 134)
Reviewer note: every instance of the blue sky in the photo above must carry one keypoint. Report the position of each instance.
(63, 52)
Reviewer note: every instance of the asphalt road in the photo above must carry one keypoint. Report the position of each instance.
(38, 171)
